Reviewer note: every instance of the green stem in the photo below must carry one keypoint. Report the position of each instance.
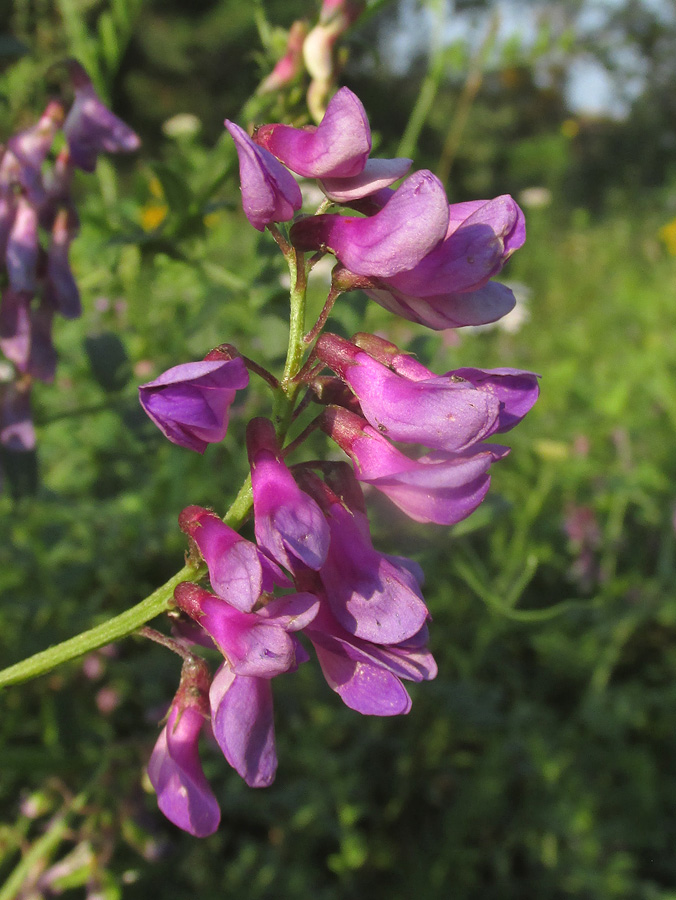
(112, 630)
(161, 600)
(286, 395)
(45, 846)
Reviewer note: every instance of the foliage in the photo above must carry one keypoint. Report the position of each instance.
(539, 763)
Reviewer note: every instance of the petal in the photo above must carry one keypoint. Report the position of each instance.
(391, 241)
(338, 147)
(174, 769)
(242, 720)
(473, 250)
(269, 191)
(377, 174)
(449, 310)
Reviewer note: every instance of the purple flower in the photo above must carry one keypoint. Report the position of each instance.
(256, 644)
(174, 769)
(90, 127)
(450, 286)
(7, 213)
(239, 572)
(449, 309)
(269, 191)
(515, 389)
(30, 149)
(393, 240)
(377, 174)
(243, 724)
(442, 487)
(190, 403)
(372, 596)
(17, 432)
(15, 327)
(22, 248)
(367, 676)
(481, 236)
(60, 286)
(287, 520)
(337, 148)
(42, 357)
(442, 412)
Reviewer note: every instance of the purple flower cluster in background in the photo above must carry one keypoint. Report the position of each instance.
(35, 200)
(313, 572)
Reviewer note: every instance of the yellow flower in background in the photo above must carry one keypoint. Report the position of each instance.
(155, 211)
(570, 128)
(667, 234)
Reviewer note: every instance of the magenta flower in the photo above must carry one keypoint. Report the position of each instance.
(450, 286)
(289, 524)
(371, 595)
(367, 676)
(256, 644)
(337, 148)
(90, 127)
(243, 725)
(239, 572)
(190, 403)
(393, 240)
(442, 412)
(269, 191)
(442, 487)
(174, 769)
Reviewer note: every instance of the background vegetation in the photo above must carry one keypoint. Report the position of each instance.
(539, 764)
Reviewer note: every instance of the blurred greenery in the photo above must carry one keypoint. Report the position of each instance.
(539, 764)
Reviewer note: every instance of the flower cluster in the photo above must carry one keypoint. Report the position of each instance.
(35, 199)
(312, 573)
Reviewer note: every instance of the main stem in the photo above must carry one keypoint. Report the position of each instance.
(162, 599)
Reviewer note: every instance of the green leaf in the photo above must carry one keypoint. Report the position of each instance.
(108, 360)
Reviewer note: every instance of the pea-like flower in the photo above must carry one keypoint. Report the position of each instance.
(336, 148)
(256, 644)
(289, 524)
(190, 403)
(373, 596)
(393, 240)
(367, 676)
(90, 127)
(443, 412)
(407, 402)
(442, 487)
(239, 572)
(242, 720)
(174, 769)
(269, 191)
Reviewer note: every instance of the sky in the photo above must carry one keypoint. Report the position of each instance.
(591, 91)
